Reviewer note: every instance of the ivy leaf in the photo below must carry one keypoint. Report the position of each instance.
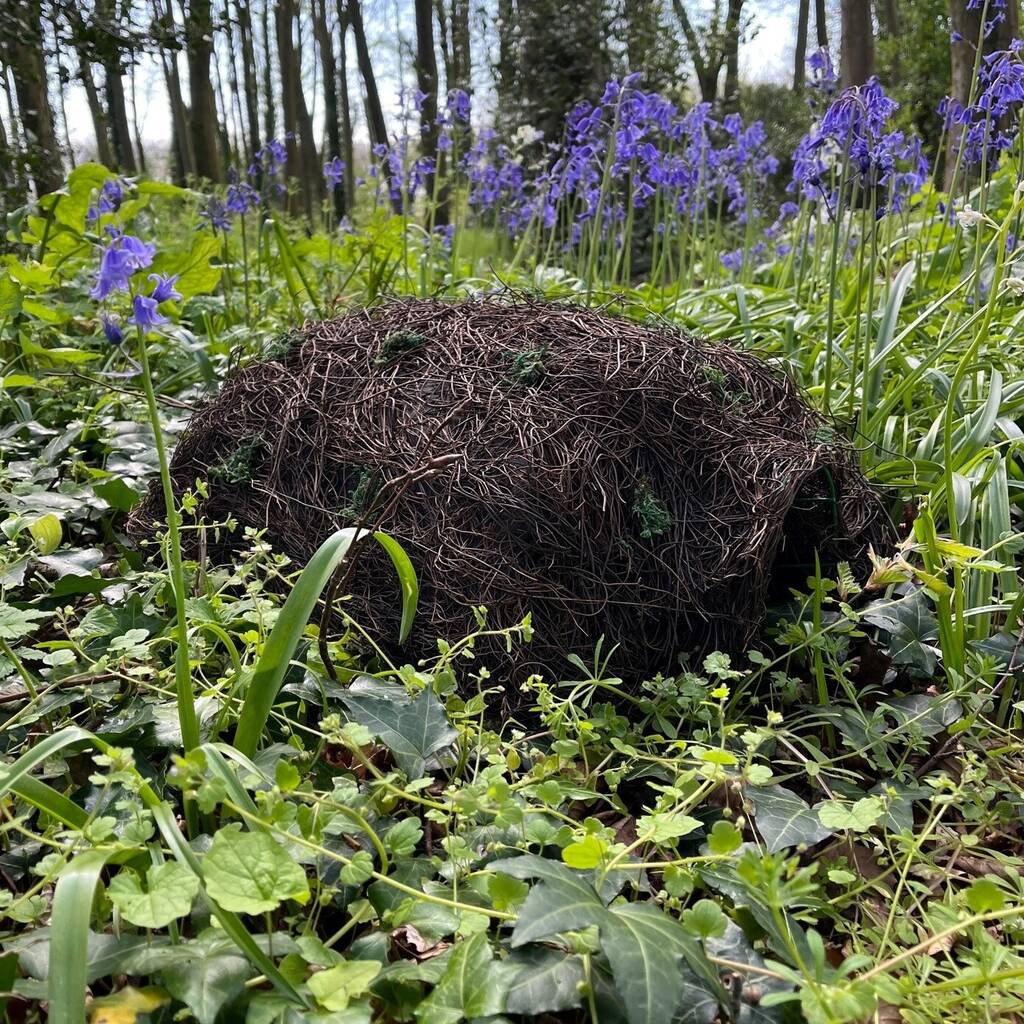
(249, 873)
(564, 901)
(783, 819)
(170, 890)
(414, 732)
(207, 982)
(838, 815)
(473, 985)
(336, 987)
(647, 950)
(548, 981)
(913, 630)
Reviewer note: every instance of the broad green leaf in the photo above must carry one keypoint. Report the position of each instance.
(666, 827)
(414, 732)
(985, 896)
(336, 987)
(648, 953)
(913, 630)
(783, 819)
(250, 873)
(18, 623)
(46, 532)
(725, 837)
(168, 894)
(548, 981)
(564, 901)
(473, 985)
(207, 982)
(10, 297)
(196, 274)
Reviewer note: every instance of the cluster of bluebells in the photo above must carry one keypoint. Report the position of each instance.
(109, 200)
(988, 127)
(633, 149)
(122, 257)
(855, 137)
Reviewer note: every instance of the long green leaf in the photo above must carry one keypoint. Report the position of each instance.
(69, 933)
(287, 632)
(406, 578)
(11, 776)
(284, 638)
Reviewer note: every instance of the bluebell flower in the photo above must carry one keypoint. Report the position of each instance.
(334, 172)
(122, 256)
(145, 315)
(112, 330)
(216, 215)
(459, 106)
(241, 198)
(732, 261)
(163, 287)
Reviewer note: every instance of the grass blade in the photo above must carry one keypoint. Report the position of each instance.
(69, 931)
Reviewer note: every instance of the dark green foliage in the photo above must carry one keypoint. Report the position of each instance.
(651, 512)
(397, 344)
(237, 468)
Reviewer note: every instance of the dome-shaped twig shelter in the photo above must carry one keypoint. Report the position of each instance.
(611, 477)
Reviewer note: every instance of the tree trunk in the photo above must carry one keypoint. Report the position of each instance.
(461, 53)
(269, 120)
(857, 50)
(120, 132)
(297, 125)
(27, 63)
(821, 24)
(329, 69)
(345, 105)
(104, 152)
(136, 129)
(252, 98)
(203, 122)
(180, 138)
(731, 99)
(800, 53)
(426, 82)
(374, 111)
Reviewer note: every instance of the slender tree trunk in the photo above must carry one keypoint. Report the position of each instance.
(27, 63)
(298, 127)
(329, 69)
(857, 50)
(203, 121)
(426, 82)
(180, 136)
(374, 111)
(252, 99)
(104, 152)
(800, 53)
(269, 118)
(120, 132)
(821, 24)
(345, 105)
(136, 129)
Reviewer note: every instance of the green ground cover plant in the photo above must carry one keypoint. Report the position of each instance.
(199, 821)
